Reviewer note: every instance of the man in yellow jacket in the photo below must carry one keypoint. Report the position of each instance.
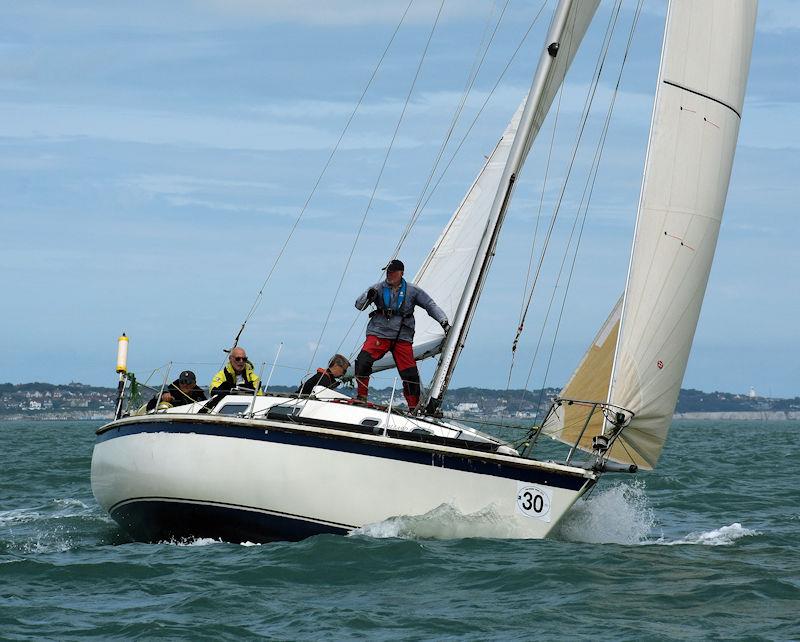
(237, 373)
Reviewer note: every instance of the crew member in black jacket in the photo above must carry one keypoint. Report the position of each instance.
(182, 391)
(327, 377)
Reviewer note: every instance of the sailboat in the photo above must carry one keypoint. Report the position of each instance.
(246, 467)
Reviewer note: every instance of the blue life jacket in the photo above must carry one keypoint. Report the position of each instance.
(387, 297)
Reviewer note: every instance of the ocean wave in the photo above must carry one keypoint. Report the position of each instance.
(59, 525)
(19, 516)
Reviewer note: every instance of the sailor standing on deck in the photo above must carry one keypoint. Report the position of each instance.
(391, 329)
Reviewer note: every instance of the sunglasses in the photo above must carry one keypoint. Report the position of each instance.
(239, 358)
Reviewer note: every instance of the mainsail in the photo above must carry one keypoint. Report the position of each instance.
(701, 85)
(446, 270)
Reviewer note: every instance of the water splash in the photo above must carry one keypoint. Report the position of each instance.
(724, 536)
(447, 522)
(56, 526)
(199, 541)
(617, 515)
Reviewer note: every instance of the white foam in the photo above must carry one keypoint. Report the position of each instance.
(617, 515)
(18, 516)
(69, 502)
(724, 536)
(447, 522)
(200, 541)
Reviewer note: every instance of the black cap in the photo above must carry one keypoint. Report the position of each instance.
(395, 265)
(187, 376)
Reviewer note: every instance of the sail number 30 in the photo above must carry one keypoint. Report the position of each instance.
(534, 501)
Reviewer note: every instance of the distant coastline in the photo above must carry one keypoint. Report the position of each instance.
(81, 402)
(741, 415)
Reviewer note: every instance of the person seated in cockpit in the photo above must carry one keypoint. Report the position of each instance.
(237, 373)
(328, 377)
(182, 391)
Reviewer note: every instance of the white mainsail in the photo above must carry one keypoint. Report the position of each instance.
(446, 270)
(701, 85)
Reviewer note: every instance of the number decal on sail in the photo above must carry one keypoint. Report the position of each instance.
(534, 501)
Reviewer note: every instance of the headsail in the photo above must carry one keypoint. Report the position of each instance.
(701, 85)
(571, 422)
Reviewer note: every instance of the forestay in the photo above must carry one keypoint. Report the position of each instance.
(704, 66)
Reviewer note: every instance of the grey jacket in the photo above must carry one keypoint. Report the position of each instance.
(398, 326)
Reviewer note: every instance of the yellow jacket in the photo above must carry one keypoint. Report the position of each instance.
(225, 379)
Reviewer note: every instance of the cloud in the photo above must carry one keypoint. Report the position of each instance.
(42, 121)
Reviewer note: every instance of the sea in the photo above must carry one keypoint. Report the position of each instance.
(705, 547)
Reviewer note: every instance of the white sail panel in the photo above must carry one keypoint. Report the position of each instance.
(696, 117)
(445, 271)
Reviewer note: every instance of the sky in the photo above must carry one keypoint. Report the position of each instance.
(154, 158)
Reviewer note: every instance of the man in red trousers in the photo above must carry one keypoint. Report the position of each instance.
(391, 329)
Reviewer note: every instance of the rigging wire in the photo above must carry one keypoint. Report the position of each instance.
(521, 321)
(590, 178)
(576, 146)
(476, 117)
(605, 46)
(585, 198)
(461, 142)
(480, 57)
(377, 183)
(259, 296)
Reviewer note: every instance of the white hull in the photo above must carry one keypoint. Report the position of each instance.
(170, 476)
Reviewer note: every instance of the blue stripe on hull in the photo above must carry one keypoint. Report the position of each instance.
(472, 463)
(158, 519)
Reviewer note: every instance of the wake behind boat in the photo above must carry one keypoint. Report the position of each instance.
(244, 466)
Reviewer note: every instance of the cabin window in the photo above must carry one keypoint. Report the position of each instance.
(282, 412)
(233, 408)
(370, 422)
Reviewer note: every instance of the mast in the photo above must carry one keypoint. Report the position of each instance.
(571, 18)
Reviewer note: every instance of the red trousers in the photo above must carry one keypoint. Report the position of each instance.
(402, 351)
